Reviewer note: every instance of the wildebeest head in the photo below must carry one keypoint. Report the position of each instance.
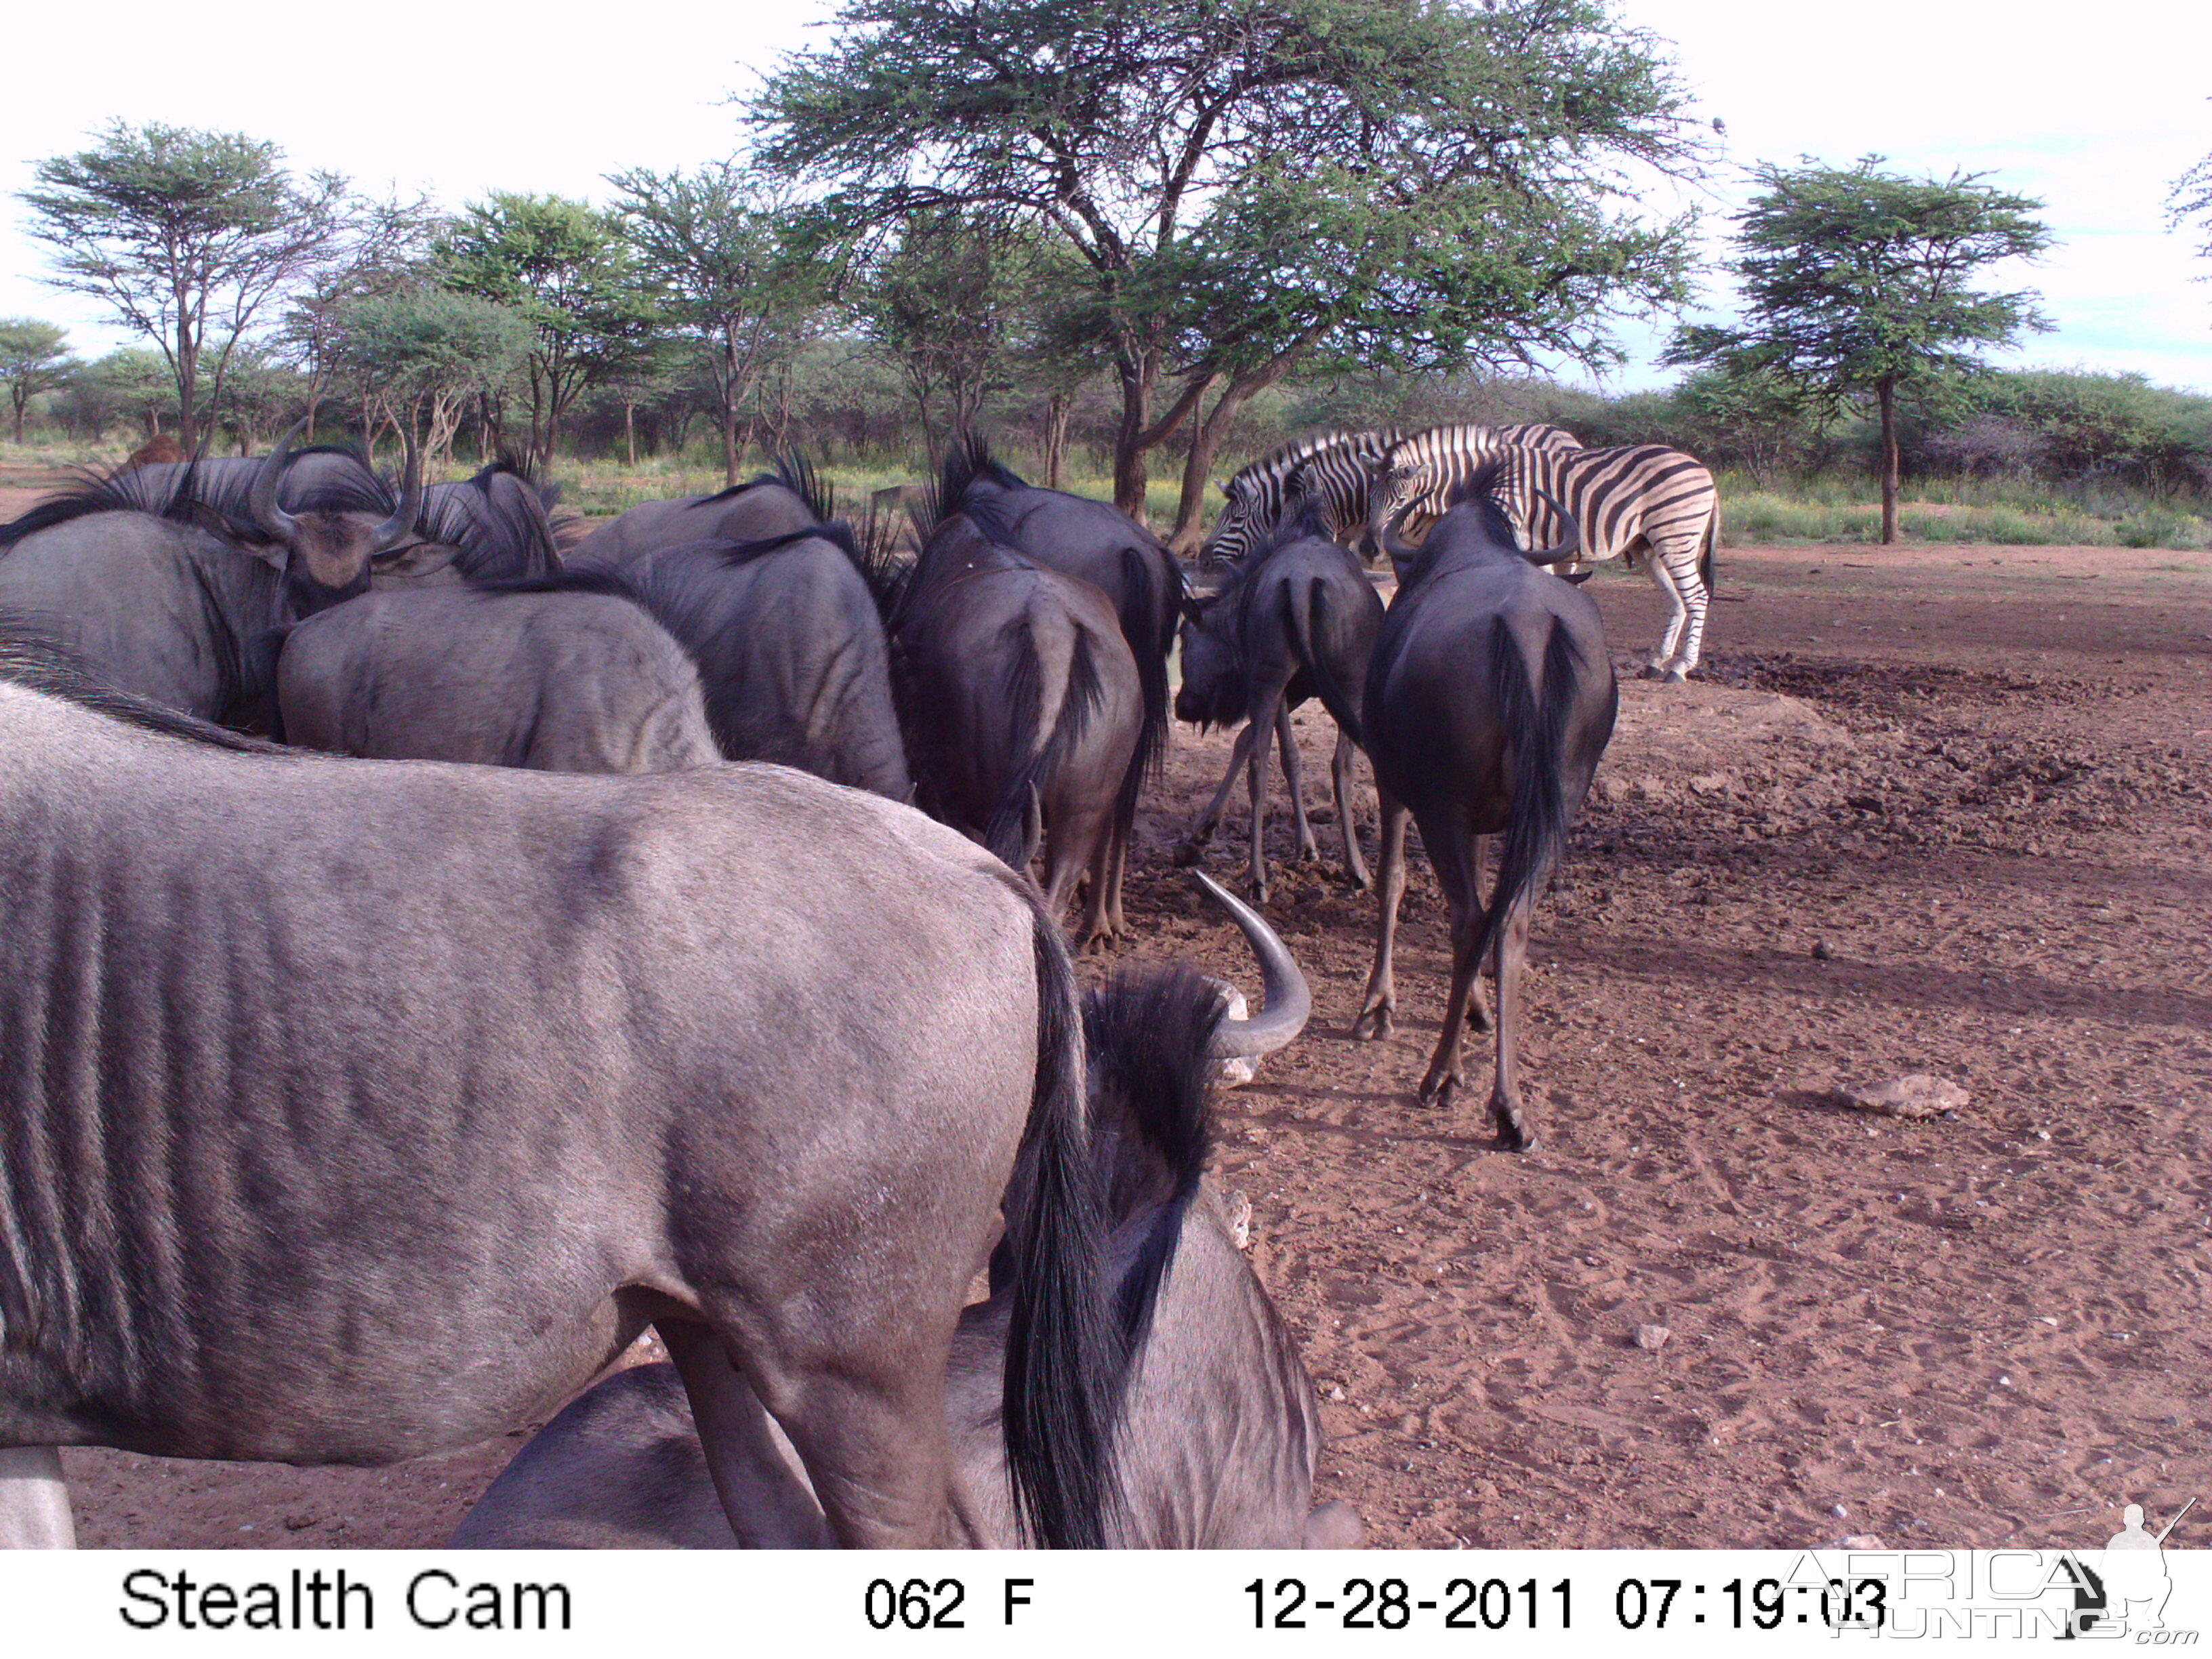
(327, 555)
(1215, 678)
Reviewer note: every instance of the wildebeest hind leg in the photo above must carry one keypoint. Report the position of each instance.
(1202, 831)
(1505, 1090)
(1454, 853)
(1381, 1002)
(1294, 775)
(767, 1500)
(34, 1506)
(1347, 821)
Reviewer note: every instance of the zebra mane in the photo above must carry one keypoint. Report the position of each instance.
(1283, 459)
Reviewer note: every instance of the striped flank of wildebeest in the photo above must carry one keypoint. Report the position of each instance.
(1414, 480)
(1329, 466)
(1641, 502)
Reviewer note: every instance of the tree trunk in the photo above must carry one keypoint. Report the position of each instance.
(1136, 372)
(630, 432)
(1057, 408)
(1886, 389)
(19, 420)
(1206, 440)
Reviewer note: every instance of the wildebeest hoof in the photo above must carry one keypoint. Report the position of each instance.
(1513, 1133)
(1676, 675)
(1188, 853)
(1309, 855)
(1374, 1021)
(1438, 1092)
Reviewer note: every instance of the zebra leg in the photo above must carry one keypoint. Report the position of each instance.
(1662, 664)
(1294, 775)
(1691, 586)
(1341, 773)
(1194, 843)
(1381, 1000)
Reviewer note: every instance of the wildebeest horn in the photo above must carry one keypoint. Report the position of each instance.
(275, 522)
(1289, 1000)
(1567, 548)
(401, 524)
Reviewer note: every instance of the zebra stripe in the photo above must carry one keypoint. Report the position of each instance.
(1418, 476)
(1331, 467)
(1644, 499)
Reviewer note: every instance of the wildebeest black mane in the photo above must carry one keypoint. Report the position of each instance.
(793, 471)
(180, 497)
(31, 659)
(1149, 1036)
(610, 584)
(967, 461)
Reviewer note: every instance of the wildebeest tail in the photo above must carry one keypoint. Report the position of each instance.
(1305, 622)
(1151, 1078)
(1142, 627)
(1081, 697)
(1064, 1362)
(1536, 720)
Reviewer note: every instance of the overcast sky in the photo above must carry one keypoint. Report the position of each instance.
(2096, 118)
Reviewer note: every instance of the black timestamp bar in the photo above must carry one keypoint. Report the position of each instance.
(1751, 1604)
(1392, 1604)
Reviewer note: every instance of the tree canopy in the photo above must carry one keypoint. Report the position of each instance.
(34, 357)
(1860, 283)
(1251, 181)
(731, 267)
(563, 265)
(187, 233)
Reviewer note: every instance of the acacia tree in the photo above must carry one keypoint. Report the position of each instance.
(34, 357)
(187, 233)
(383, 249)
(422, 355)
(733, 270)
(1246, 180)
(1858, 284)
(563, 265)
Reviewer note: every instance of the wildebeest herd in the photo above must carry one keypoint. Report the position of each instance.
(355, 1108)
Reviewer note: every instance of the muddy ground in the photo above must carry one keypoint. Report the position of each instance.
(1943, 810)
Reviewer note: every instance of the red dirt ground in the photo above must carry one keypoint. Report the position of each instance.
(1975, 778)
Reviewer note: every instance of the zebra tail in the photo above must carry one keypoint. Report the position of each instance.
(1009, 830)
(1303, 621)
(1536, 722)
(1712, 540)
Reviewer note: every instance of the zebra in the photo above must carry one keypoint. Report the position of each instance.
(1643, 499)
(1331, 467)
(1409, 485)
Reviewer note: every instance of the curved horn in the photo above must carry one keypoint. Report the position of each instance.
(275, 522)
(401, 524)
(1289, 1000)
(1567, 548)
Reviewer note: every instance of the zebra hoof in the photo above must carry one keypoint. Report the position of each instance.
(1676, 675)
(1651, 671)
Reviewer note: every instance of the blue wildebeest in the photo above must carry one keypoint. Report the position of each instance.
(569, 673)
(1299, 608)
(1219, 1434)
(784, 627)
(165, 580)
(349, 1109)
(775, 503)
(1490, 698)
(1019, 699)
(1103, 546)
